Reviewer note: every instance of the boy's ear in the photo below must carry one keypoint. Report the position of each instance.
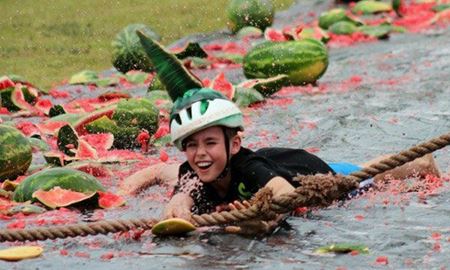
(235, 144)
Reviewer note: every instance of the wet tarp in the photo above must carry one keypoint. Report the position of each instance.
(375, 98)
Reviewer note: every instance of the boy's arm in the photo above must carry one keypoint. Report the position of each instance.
(159, 173)
(279, 186)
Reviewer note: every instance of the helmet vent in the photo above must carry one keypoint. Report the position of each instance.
(177, 119)
(204, 106)
(189, 112)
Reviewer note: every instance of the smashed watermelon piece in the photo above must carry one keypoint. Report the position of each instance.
(107, 200)
(59, 197)
(221, 84)
(99, 141)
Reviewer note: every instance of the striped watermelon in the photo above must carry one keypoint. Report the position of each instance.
(128, 53)
(15, 153)
(63, 177)
(257, 13)
(303, 61)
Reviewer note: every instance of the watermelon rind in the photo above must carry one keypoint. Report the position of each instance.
(59, 197)
(172, 73)
(15, 153)
(67, 140)
(172, 226)
(63, 177)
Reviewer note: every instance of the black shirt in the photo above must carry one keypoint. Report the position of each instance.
(250, 171)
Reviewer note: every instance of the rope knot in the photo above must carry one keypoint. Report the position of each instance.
(262, 200)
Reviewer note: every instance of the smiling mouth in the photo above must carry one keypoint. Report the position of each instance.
(203, 165)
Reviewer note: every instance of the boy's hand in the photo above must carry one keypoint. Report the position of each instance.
(179, 207)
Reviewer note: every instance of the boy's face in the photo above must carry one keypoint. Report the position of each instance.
(205, 152)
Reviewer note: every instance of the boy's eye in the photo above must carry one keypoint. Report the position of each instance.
(190, 144)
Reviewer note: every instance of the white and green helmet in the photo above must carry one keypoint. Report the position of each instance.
(198, 109)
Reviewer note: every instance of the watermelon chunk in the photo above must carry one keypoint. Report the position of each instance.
(59, 197)
(108, 200)
(221, 84)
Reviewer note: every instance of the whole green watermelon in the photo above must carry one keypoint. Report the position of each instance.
(256, 13)
(56, 177)
(303, 61)
(15, 153)
(128, 53)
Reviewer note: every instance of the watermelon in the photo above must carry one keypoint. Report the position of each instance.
(6, 82)
(341, 248)
(172, 73)
(333, 16)
(67, 140)
(256, 13)
(173, 226)
(190, 49)
(128, 53)
(84, 77)
(49, 178)
(303, 61)
(249, 32)
(13, 98)
(59, 197)
(221, 84)
(371, 7)
(343, 28)
(124, 137)
(244, 97)
(266, 87)
(138, 113)
(56, 110)
(15, 153)
(108, 200)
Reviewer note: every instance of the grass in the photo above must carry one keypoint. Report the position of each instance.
(47, 41)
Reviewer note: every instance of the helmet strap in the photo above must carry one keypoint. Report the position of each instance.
(225, 171)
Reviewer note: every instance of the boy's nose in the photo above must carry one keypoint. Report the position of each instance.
(201, 150)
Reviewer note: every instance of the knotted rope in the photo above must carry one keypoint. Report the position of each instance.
(316, 190)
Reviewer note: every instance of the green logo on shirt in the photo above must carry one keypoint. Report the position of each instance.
(242, 192)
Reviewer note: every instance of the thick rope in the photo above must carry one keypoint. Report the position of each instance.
(403, 157)
(65, 231)
(316, 190)
(326, 191)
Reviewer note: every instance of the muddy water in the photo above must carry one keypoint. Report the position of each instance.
(375, 98)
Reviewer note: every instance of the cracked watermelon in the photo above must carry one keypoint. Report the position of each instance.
(303, 61)
(15, 153)
(256, 13)
(62, 177)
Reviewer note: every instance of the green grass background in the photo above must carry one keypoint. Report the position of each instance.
(46, 41)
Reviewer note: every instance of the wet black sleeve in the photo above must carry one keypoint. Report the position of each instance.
(254, 169)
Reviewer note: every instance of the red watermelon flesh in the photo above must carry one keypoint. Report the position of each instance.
(43, 105)
(58, 197)
(221, 84)
(274, 35)
(99, 141)
(51, 127)
(6, 82)
(18, 99)
(85, 151)
(108, 200)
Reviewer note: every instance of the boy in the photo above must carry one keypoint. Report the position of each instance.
(219, 171)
